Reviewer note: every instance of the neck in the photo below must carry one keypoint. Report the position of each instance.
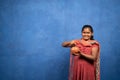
(85, 39)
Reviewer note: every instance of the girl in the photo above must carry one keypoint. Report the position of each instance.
(84, 57)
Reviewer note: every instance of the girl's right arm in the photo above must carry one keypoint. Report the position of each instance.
(68, 44)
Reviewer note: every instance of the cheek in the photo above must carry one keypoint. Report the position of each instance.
(86, 34)
(90, 34)
(83, 33)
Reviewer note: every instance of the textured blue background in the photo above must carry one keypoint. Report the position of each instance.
(31, 33)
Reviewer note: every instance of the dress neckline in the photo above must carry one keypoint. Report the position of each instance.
(89, 42)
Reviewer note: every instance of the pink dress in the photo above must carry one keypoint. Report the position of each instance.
(82, 68)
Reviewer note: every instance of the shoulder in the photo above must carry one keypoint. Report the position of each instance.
(95, 43)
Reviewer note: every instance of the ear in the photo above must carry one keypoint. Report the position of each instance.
(92, 34)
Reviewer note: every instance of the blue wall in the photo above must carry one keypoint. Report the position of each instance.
(31, 33)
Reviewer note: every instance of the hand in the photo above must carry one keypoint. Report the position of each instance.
(75, 50)
(72, 43)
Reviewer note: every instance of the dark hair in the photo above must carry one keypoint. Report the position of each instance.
(91, 29)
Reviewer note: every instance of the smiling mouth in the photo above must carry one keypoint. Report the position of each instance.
(86, 36)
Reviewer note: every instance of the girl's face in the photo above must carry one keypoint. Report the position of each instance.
(86, 34)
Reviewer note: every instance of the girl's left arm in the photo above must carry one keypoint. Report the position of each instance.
(94, 54)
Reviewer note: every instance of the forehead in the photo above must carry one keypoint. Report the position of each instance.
(87, 29)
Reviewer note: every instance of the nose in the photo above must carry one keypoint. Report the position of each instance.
(85, 34)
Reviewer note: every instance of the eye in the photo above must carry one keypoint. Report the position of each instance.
(86, 32)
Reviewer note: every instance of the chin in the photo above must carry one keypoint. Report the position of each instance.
(86, 39)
